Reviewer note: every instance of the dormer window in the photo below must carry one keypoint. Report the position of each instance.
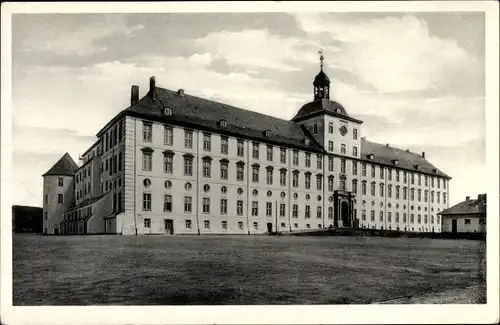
(338, 111)
(396, 162)
(267, 133)
(416, 167)
(223, 123)
(371, 156)
(167, 111)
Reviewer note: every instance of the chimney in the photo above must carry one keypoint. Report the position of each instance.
(467, 198)
(423, 154)
(134, 95)
(152, 87)
(387, 145)
(407, 150)
(180, 92)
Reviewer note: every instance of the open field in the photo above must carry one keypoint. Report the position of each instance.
(172, 270)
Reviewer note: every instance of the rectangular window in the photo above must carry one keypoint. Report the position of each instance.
(389, 174)
(147, 161)
(146, 201)
(224, 225)
(206, 205)
(412, 218)
(355, 151)
(419, 218)
(330, 145)
(269, 176)
(381, 189)
(319, 161)
(404, 217)
(308, 212)
(223, 170)
(372, 215)
(389, 191)
(282, 209)
(354, 168)
(419, 180)
(283, 178)
(372, 192)
(354, 186)
(283, 155)
(363, 215)
(269, 209)
(295, 211)
(330, 164)
(255, 150)
(307, 178)
(223, 206)
(363, 188)
(343, 149)
(239, 207)
(167, 203)
(188, 224)
(168, 164)
(319, 212)
(330, 127)
(330, 212)
(207, 142)
(240, 148)
(207, 168)
(397, 176)
(255, 174)
(389, 217)
(319, 183)
(295, 179)
(207, 224)
(308, 159)
(240, 225)
(188, 139)
(169, 136)
(188, 166)
(330, 184)
(381, 172)
(342, 165)
(467, 221)
(381, 215)
(255, 208)
(373, 171)
(295, 158)
(224, 145)
(147, 132)
(60, 198)
(61, 181)
(397, 216)
(188, 203)
(120, 160)
(412, 179)
(256, 225)
(355, 134)
(147, 223)
(269, 153)
(240, 172)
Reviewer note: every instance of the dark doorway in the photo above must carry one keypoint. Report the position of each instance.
(344, 212)
(269, 227)
(56, 231)
(454, 226)
(169, 226)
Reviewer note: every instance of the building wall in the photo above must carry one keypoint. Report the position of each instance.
(474, 225)
(52, 210)
(100, 210)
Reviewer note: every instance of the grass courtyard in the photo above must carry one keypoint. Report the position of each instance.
(235, 270)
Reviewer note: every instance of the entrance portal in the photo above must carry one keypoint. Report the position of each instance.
(344, 213)
(269, 227)
(169, 226)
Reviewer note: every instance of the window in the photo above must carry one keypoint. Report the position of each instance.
(295, 179)
(355, 134)
(223, 206)
(224, 145)
(283, 155)
(206, 205)
(342, 165)
(308, 159)
(419, 219)
(147, 160)
(412, 194)
(319, 212)
(188, 139)
(444, 198)
(169, 136)
(404, 217)
(319, 161)
(412, 218)
(256, 225)
(381, 172)
(412, 176)
(372, 192)
(45, 215)
(147, 132)
(342, 185)
(207, 224)
(354, 186)
(315, 128)
(330, 145)
(381, 215)
(439, 183)
(438, 197)
(239, 172)
(330, 127)
(240, 148)
(60, 198)
(223, 170)
(207, 142)
(354, 168)
(319, 182)
(419, 195)
(363, 187)
(389, 217)
(147, 223)
(240, 225)
(330, 164)
(426, 196)
(61, 181)
(425, 219)
(363, 215)
(207, 166)
(372, 215)
(269, 153)
(389, 191)
(146, 201)
(255, 208)
(188, 224)
(444, 184)
(419, 180)
(168, 162)
(188, 204)
(167, 203)
(404, 193)
(255, 174)
(269, 176)
(397, 175)
(373, 171)
(330, 183)
(432, 197)
(381, 189)
(307, 178)
(269, 209)
(343, 149)
(188, 166)
(404, 177)
(282, 209)
(283, 177)
(239, 207)
(295, 211)
(255, 150)
(224, 225)
(308, 212)
(355, 151)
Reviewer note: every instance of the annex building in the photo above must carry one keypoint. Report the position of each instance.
(173, 163)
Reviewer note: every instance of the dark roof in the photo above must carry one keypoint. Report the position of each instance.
(323, 106)
(86, 202)
(471, 206)
(321, 79)
(386, 155)
(203, 114)
(65, 166)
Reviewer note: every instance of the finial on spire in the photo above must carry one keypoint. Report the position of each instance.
(321, 58)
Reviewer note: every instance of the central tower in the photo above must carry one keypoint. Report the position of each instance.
(321, 83)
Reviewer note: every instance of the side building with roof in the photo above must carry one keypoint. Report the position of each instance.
(468, 216)
(173, 163)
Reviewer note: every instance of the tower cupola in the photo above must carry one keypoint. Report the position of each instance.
(321, 83)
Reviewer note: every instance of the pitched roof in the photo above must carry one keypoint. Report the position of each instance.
(87, 202)
(387, 155)
(471, 206)
(323, 106)
(204, 114)
(65, 166)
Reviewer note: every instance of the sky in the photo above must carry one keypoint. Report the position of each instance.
(417, 80)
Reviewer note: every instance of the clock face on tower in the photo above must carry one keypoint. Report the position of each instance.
(343, 130)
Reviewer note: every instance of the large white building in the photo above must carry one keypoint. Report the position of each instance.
(172, 163)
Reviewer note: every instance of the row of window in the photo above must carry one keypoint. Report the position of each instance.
(396, 219)
(405, 176)
(397, 194)
(113, 136)
(343, 148)
(114, 164)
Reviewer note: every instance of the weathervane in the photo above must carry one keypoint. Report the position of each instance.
(321, 58)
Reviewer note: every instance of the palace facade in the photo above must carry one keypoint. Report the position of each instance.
(173, 163)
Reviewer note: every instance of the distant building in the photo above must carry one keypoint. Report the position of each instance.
(466, 216)
(173, 163)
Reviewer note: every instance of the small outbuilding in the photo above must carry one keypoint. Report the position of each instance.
(465, 217)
